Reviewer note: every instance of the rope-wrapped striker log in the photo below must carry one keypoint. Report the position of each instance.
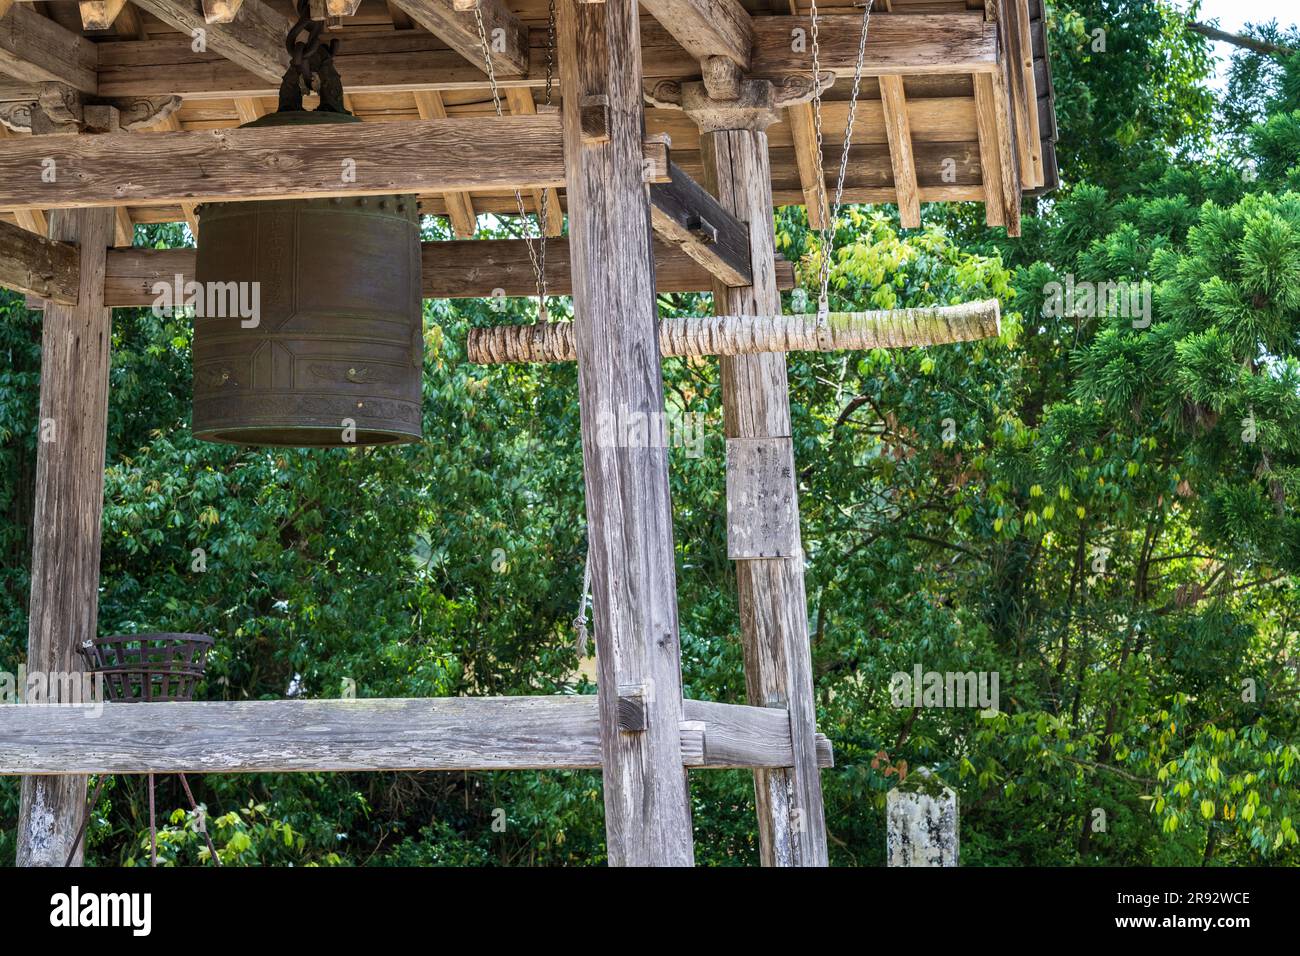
(748, 334)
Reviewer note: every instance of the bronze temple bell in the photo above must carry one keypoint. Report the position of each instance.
(333, 356)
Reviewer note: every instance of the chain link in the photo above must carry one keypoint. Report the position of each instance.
(831, 213)
(536, 244)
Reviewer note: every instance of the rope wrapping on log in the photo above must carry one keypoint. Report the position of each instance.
(750, 334)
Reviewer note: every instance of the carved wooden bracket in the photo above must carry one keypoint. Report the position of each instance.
(61, 109)
(756, 105)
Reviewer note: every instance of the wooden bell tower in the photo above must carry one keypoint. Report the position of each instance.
(676, 135)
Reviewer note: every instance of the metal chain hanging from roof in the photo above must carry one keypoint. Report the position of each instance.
(831, 219)
(536, 244)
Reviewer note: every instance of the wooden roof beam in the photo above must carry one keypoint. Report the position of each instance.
(457, 27)
(122, 169)
(35, 49)
(253, 39)
(707, 28)
(38, 266)
(452, 269)
(409, 60)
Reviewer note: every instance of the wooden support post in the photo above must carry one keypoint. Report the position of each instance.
(629, 512)
(67, 514)
(772, 604)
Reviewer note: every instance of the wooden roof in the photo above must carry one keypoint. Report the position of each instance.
(921, 57)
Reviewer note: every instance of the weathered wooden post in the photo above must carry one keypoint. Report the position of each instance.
(921, 823)
(629, 514)
(762, 497)
(67, 514)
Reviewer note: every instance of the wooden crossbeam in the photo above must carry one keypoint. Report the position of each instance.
(441, 733)
(707, 28)
(902, 45)
(408, 60)
(460, 207)
(752, 334)
(521, 103)
(35, 49)
(253, 39)
(359, 159)
(480, 268)
(684, 213)
(507, 37)
(38, 266)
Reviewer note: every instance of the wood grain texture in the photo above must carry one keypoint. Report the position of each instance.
(456, 269)
(684, 213)
(67, 514)
(901, 156)
(707, 28)
(460, 206)
(995, 185)
(441, 733)
(629, 514)
(36, 49)
(762, 500)
(99, 14)
(915, 44)
(809, 159)
(253, 39)
(770, 592)
(507, 37)
(407, 60)
(756, 334)
(120, 169)
(38, 266)
(1008, 151)
(521, 103)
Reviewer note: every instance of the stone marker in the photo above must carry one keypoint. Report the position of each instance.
(921, 823)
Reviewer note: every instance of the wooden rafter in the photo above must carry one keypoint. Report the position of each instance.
(128, 24)
(99, 14)
(707, 28)
(901, 155)
(507, 37)
(35, 49)
(440, 733)
(897, 45)
(252, 40)
(233, 164)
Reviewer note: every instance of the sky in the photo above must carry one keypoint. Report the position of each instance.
(1235, 14)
